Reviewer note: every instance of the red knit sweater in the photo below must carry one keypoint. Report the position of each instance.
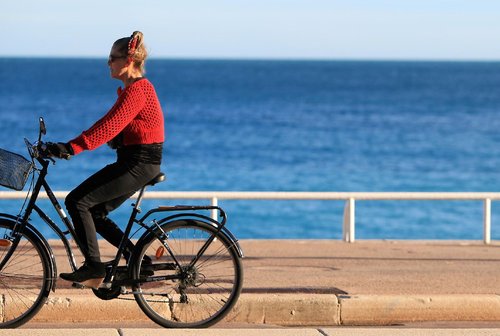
(137, 113)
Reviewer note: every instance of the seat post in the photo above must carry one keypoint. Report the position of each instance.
(137, 204)
(158, 178)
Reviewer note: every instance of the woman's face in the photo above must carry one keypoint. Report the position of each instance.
(117, 63)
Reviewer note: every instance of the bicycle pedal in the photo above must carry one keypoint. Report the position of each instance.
(78, 285)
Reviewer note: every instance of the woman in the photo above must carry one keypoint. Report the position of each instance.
(134, 127)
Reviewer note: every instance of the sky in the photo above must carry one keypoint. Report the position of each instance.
(257, 29)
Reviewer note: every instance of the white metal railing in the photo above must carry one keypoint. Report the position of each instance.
(348, 231)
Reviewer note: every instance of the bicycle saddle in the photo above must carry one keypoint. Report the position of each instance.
(159, 178)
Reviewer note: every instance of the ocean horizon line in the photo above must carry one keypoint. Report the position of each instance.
(265, 59)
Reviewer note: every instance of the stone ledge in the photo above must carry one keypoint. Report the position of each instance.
(281, 309)
(393, 309)
(294, 309)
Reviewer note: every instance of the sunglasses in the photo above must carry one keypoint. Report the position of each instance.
(113, 58)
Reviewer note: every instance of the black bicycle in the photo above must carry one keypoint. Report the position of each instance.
(185, 270)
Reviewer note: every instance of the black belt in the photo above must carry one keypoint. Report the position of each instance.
(150, 153)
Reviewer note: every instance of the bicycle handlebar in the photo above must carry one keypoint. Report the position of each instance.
(40, 149)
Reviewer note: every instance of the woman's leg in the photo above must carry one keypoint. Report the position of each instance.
(105, 190)
(110, 231)
(110, 183)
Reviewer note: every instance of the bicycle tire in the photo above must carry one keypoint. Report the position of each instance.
(214, 284)
(25, 280)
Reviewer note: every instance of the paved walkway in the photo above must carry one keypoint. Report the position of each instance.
(329, 283)
(253, 332)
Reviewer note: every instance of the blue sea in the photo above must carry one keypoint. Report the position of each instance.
(269, 125)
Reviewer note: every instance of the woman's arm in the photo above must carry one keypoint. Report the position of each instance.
(128, 105)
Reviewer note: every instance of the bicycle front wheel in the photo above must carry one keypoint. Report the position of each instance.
(24, 279)
(203, 293)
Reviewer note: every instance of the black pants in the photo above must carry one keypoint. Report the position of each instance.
(90, 203)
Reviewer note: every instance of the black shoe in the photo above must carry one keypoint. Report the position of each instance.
(90, 274)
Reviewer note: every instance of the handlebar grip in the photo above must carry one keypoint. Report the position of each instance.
(52, 150)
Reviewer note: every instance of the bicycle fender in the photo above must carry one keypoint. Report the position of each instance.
(40, 239)
(224, 232)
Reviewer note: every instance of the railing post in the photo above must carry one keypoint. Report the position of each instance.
(349, 221)
(213, 213)
(487, 221)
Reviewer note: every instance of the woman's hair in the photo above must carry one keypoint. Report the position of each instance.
(133, 47)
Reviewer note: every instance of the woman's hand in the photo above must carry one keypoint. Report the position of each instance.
(59, 150)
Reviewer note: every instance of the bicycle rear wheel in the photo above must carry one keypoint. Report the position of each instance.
(205, 291)
(24, 280)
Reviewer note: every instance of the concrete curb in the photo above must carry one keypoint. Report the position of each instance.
(394, 309)
(294, 309)
(282, 309)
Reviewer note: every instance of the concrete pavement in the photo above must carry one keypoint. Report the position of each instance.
(330, 283)
(254, 332)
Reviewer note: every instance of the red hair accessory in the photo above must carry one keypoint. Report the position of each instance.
(131, 45)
